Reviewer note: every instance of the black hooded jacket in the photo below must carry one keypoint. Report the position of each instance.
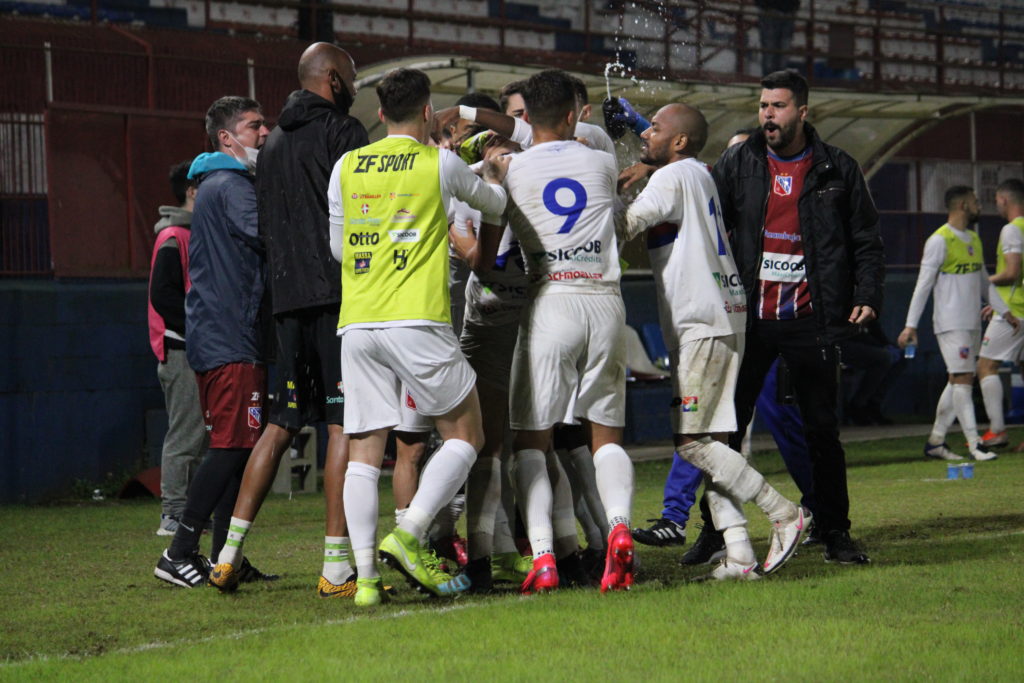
(838, 223)
(293, 170)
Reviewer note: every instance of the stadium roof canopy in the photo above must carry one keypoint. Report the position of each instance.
(870, 126)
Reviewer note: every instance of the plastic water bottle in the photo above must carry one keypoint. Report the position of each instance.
(910, 351)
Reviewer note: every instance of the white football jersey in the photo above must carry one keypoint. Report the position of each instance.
(499, 296)
(699, 290)
(562, 210)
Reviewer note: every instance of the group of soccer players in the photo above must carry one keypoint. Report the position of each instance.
(540, 360)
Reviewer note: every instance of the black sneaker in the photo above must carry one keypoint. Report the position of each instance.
(187, 573)
(571, 573)
(839, 547)
(479, 573)
(592, 561)
(710, 546)
(249, 574)
(812, 537)
(663, 532)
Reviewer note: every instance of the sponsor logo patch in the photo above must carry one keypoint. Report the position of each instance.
(362, 264)
(782, 267)
(403, 216)
(365, 208)
(404, 236)
(689, 404)
(409, 402)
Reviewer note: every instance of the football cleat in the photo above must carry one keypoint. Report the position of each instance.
(543, 577)
(452, 548)
(370, 592)
(982, 453)
(940, 452)
(249, 574)
(839, 547)
(479, 573)
(994, 440)
(662, 533)
(224, 578)
(709, 546)
(187, 573)
(592, 561)
(731, 571)
(510, 567)
(785, 539)
(402, 552)
(618, 564)
(346, 589)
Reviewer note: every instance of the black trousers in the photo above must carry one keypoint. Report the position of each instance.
(814, 371)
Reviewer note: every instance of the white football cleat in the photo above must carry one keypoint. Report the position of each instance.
(785, 540)
(731, 571)
(940, 452)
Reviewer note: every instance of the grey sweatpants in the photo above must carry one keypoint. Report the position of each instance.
(186, 438)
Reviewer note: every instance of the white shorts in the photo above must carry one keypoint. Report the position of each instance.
(489, 350)
(571, 347)
(959, 349)
(377, 364)
(1001, 342)
(704, 373)
(412, 421)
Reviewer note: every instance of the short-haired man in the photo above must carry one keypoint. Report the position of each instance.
(805, 237)
(702, 307)
(185, 441)
(223, 334)
(313, 131)
(570, 350)
(389, 229)
(1002, 342)
(953, 265)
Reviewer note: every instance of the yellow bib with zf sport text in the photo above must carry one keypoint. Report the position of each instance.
(961, 258)
(1013, 294)
(395, 260)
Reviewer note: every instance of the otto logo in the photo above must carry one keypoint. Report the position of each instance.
(255, 417)
(362, 239)
(365, 208)
(783, 185)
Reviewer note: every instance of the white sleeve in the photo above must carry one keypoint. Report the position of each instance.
(460, 182)
(523, 134)
(652, 206)
(1010, 239)
(990, 294)
(336, 212)
(934, 255)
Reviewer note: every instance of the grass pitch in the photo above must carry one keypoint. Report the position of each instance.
(942, 599)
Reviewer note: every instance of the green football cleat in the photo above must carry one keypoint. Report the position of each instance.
(511, 567)
(400, 551)
(369, 592)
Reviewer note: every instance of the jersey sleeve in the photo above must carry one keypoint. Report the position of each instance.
(458, 181)
(934, 255)
(652, 206)
(336, 211)
(1011, 241)
(523, 134)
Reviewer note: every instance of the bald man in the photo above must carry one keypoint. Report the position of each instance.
(702, 306)
(313, 132)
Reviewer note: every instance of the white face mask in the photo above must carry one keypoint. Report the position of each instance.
(251, 154)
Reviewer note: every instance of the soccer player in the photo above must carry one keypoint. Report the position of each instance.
(314, 130)
(223, 340)
(1003, 342)
(570, 350)
(389, 231)
(953, 265)
(702, 306)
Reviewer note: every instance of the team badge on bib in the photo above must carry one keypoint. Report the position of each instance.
(783, 185)
(255, 417)
(363, 262)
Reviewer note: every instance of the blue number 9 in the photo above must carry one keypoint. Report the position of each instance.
(572, 212)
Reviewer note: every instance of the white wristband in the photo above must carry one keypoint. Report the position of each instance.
(468, 113)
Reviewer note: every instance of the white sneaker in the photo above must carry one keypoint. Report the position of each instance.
(980, 453)
(731, 571)
(940, 452)
(785, 540)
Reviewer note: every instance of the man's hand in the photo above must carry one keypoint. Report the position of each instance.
(862, 315)
(495, 168)
(634, 174)
(986, 313)
(1012, 319)
(444, 118)
(463, 241)
(907, 337)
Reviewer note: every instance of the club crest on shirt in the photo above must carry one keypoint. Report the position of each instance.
(970, 250)
(363, 262)
(783, 185)
(965, 351)
(255, 417)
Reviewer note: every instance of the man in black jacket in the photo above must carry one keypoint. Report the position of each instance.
(805, 236)
(313, 132)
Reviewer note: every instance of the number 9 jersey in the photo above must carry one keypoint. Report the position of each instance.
(562, 209)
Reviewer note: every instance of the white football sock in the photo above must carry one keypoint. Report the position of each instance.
(945, 413)
(992, 393)
(614, 475)
(964, 405)
(533, 491)
(441, 479)
(579, 465)
(231, 552)
(399, 516)
(336, 565)
(361, 503)
(563, 516)
(726, 512)
(482, 499)
(737, 545)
